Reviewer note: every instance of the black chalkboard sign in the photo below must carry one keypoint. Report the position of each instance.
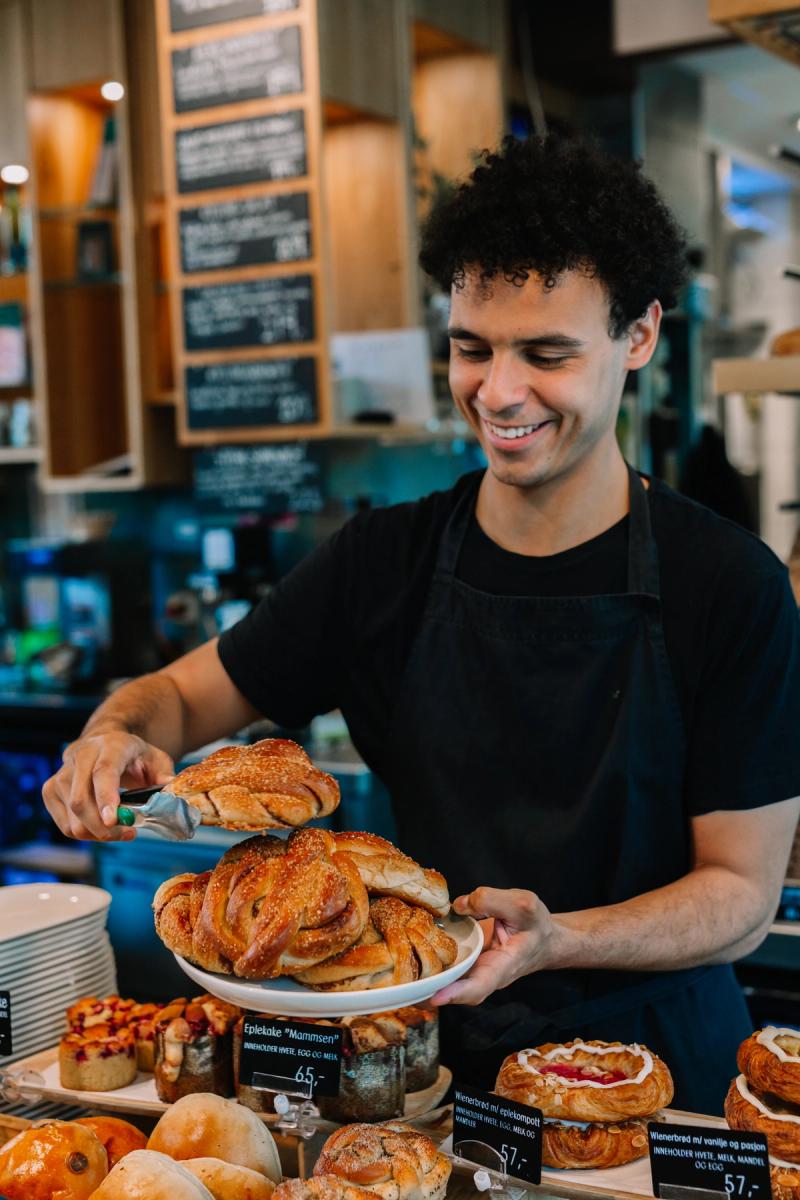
(253, 66)
(272, 479)
(512, 1130)
(236, 152)
(238, 233)
(5, 1024)
(270, 391)
(260, 312)
(709, 1158)
(194, 14)
(291, 1056)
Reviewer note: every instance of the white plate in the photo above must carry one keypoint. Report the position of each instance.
(70, 959)
(287, 998)
(30, 907)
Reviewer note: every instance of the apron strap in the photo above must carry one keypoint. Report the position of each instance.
(643, 579)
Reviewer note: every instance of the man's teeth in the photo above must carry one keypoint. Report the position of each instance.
(513, 431)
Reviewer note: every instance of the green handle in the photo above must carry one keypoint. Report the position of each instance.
(126, 816)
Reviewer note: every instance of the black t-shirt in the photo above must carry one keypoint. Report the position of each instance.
(337, 631)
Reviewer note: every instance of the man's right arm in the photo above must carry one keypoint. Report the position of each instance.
(134, 737)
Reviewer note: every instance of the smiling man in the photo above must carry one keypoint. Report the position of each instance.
(581, 689)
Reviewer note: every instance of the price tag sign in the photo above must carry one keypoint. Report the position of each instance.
(707, 1158)
(5, 1024)
(513, 1130)
(290, 1056)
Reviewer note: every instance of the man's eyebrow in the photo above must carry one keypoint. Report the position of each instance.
(561, 341)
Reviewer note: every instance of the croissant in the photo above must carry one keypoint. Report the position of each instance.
(595, 1146)
(272, 784)
(400, 943)
(386, 871)
(392, 1160)
(587, 1081)
(270, 907)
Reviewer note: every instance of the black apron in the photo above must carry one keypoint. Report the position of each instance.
(538, 743)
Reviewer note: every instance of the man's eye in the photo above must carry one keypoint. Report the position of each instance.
(473, 355)
(540, 360)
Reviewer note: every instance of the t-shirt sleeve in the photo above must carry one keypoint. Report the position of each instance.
(744, 735)
(283, 656)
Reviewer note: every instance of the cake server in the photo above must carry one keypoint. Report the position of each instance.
(154, 808)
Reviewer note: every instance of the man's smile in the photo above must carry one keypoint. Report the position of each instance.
(517, 436)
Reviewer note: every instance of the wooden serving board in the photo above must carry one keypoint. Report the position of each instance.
(141, 1097)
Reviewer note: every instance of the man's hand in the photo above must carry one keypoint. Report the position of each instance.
(521, 938)
(83, 796)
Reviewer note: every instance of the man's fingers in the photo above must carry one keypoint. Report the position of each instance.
(514, 905)
(80, 801)
(105, 781)
(490, 972)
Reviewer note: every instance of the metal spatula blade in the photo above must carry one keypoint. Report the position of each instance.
(154, 808)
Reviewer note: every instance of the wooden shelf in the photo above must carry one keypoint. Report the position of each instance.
(72, 212)
(774, 25)
(14, 288)
(779, 374)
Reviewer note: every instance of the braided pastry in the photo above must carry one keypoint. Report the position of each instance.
(587, 1081)
(757, 1112)
(770, 1061)
(272, 784)
(400, 943)
(392, 1160)
(386, 871)
(270, 907)
(323, 1187)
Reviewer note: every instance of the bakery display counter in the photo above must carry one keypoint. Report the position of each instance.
(141, 1098)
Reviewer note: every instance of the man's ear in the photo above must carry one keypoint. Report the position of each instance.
(642, 338)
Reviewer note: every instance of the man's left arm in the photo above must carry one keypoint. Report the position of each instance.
(718, 912)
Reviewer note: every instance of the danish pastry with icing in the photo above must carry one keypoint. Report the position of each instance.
(770, 1060)
(594, 1097)
(587, 1081)
(761, 1112)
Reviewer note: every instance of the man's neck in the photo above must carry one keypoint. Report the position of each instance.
(557, 515)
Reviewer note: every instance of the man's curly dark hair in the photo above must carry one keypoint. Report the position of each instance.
(550, 205)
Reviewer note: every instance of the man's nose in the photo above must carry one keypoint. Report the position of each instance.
(503, 386)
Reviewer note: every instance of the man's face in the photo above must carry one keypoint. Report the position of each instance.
(536, 374)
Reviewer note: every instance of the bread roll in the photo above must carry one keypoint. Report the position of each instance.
(226, 1181)
(118, 1137)
(207, 1126)
(146, 1175)
(57, 1161)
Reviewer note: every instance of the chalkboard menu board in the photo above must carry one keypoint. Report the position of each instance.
(254, 66)
(239, 233)
(260, 312)
(237, 152)
(193, 14)
(268, 391)
(271, 479)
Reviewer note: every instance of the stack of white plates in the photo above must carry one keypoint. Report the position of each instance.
(53, 951)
